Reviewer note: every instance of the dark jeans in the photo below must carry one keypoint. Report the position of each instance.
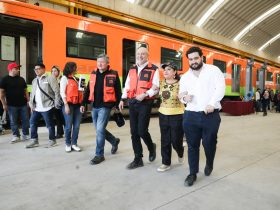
(171, 129)
(197, 126)
(59, 121)
(14, 113)
(139, 124)
(48, 118)
(265, 104)
(72, 124)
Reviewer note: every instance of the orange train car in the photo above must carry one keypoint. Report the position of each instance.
(30, 34)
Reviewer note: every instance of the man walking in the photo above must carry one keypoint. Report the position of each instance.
(14, 97)
(44, 97)
(142, 84)
(201, 88)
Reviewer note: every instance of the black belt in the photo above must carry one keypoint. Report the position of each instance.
(202, 112)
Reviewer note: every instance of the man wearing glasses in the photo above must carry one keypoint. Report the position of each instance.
(14, 97)
(44, 97)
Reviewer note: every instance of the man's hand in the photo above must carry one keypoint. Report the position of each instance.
(5, 107)
(121, 106)
(67, 109)
(209, 109)
(141, 97)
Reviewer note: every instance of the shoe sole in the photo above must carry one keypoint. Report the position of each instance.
(13, 142)
(50, 146)
(163, 170)
(36, 145)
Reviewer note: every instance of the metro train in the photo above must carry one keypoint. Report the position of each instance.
(30, 33)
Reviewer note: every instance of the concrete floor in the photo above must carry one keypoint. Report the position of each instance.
(246, 173)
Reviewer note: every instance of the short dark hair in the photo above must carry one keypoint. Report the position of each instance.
(57, 68)
(69, 68)
(41, 65)
(194, 49)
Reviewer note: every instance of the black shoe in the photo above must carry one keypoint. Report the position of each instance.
(136, 163)
(59, 136)
(96, 160)
(208, 170)
(190, 180)
(153, 154)
(115, 148)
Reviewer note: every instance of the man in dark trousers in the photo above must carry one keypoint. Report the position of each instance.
(141, 86)
(104, 93)
(202, 88)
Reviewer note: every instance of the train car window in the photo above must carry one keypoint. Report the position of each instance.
(8, 50)
(235, 78)
(269, 76)
(222, 65)
(82, 44)
(277, 79)
(171, 56)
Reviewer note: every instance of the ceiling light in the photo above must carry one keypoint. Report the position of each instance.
(210, 11)
(131, 1)
(256, 22)
(269, 42)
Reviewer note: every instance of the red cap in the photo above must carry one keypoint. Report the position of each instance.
(13, 65)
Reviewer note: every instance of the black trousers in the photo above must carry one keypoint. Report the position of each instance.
(197, 126)
(139, 114)
(59, 118)
(171, 129)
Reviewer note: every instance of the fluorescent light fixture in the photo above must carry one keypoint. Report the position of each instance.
(209, 13)
(79, 35)
(256, 22)
(131, 1)
(269, 42)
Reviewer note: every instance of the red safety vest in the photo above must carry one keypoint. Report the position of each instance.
(142, 83)
(73, 95)
(109, 86)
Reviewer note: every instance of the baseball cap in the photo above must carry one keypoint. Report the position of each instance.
(171, 65)
(13, 65)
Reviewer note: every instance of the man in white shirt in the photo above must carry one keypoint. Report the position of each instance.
(140, 88)
(201, 88)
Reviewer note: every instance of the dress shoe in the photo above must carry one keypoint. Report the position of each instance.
(136, 163)
(152, 155)
(96, 160)
(208, 170)
(190, 180)
(115, 147)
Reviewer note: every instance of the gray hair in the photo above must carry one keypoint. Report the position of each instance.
(106, 57)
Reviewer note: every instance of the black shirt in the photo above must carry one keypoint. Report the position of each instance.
(15, 88)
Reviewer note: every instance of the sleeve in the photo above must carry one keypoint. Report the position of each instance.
(182, 88)
(126, 87)
(55, 87)
(63, 85)
(118, 90)
(219, 88)
(155, 82)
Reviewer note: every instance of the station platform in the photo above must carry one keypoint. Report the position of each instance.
(245, 176)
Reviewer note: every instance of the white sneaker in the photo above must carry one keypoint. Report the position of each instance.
(15, 139)
(25, 137)
(163, 168)
(181, 160)
(67, 148)
(76, 148)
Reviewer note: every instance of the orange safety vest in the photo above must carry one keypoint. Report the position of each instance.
(142, 83)
(73, 95)
(109, 86)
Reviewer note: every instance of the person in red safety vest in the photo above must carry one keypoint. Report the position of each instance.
(72, 98)
(103, 93)
(141, 86)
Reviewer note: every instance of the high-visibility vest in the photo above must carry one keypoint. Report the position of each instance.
(73, 95)
(142, 83)
(109, 86)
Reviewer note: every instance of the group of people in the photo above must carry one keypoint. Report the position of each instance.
(189, 106)
(265, 100)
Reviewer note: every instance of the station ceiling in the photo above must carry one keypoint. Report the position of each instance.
(228, 20)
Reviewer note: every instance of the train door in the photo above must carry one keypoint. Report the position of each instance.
(235, 78)
(261, 77)
(277, 81)
(129, 55)
(249, 79)
(21, 42)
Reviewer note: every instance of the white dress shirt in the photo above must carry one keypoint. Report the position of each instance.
(151, 91)
(207, 89)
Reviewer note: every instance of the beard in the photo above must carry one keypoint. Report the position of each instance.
(196, 66)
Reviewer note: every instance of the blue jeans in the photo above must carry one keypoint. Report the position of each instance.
(100, 118)
(72, 124)
(14, 113)
(48, 118)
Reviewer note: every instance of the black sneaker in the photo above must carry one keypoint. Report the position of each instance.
(115, 148)
(190, 180)
(208, 170)
(152, 155)
(96, 160)
(136, 163)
